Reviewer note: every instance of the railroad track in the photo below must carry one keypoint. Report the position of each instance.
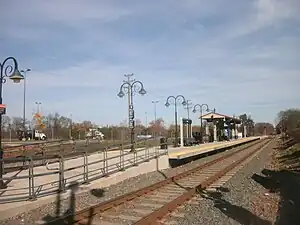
(153, 203)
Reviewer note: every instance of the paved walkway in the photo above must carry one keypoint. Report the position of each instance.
(47, 178)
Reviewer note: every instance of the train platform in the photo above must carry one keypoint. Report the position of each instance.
(27, 189)
(187, 152)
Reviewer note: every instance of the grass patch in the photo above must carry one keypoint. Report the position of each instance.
(289, 158)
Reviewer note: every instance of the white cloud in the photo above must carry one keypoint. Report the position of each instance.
(270, 11)
(208, 61)
(69, 11)
(265, 13)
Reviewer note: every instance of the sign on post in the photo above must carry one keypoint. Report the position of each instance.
(2, 109)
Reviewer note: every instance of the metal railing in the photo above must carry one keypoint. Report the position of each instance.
(63, 147)
(58, 173)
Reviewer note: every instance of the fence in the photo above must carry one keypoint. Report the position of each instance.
(61, 170)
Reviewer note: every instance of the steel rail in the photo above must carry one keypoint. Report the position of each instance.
(172, 205)
(82, 215)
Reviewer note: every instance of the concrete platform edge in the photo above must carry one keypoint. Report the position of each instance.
(198, 153)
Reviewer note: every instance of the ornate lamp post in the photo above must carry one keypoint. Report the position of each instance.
(200, 108)
(201, 111)
(11, 71)
(138, 87)
(183, 102)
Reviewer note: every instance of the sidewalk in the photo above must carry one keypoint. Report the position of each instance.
(46, 180)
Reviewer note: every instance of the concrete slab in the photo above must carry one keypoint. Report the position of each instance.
(182, 153)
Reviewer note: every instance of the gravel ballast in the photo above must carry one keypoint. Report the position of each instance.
(237, 201)
(88, 198)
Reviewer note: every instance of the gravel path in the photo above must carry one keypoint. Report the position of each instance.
(83, 200)
(237, 200)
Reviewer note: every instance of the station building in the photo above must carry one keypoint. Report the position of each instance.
(223, 127)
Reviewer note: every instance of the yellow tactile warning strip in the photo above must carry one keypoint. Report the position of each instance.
(203, 148)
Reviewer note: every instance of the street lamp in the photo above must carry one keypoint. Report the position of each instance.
(24, 96)
(12, 72)
(154, 103)
(183, 102)
(136, 86)
(38, 106)
(201, 111)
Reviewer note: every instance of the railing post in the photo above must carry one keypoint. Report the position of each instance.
(106, 160)
(43, 151)
(85, 168)
(23, 153)
(73, 146)
(156, 157)
(3, 168)
(156, 152)
(61, 149)
(121, 158)
(147, 146)
(29, 180)
(61, 174)
(31, 189)
(135, 158)
(105, 167)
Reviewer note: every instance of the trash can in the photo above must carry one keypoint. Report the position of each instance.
(163, 143)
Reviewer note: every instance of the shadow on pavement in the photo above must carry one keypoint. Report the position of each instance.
(287, 184)
(237, 213)
(68, 217)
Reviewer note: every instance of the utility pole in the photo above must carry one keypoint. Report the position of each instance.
(146, 123)
(71, 126)
(24, 97)
(188, 107)
(155, 118)
(129, 93)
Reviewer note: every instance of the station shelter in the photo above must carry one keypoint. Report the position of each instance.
(223, 127)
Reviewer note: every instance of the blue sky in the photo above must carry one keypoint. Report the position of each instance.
(237, 56)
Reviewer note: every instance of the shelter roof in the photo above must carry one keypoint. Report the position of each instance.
(214, 115)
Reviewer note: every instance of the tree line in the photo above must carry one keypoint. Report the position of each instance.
(63, 127)
(288, 124)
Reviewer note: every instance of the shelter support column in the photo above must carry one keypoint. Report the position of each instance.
(245, 131)
(215, 132)
(181, 132)
(207, 129)
(233, 133)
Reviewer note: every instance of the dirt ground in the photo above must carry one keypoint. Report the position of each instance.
(281, 179)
